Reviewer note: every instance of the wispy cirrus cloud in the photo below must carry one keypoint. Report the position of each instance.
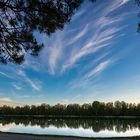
(55, 52)
(35, 85)
(124, 2)
(68, 48)
(79, 35)
(98, 42)
(83, 46)
(104, 33)
(5, 75)
(17, 86)
(88, 78)
(93, 35)
(19, 77)
(98, 69)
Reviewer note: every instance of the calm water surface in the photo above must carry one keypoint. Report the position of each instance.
(72, 127)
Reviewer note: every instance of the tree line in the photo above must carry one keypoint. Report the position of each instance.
(118, 108)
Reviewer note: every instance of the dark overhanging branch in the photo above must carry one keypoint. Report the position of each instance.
(18, 21)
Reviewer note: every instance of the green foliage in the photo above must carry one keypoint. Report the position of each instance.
(95, 109)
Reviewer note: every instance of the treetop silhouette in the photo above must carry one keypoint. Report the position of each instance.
(19, 19)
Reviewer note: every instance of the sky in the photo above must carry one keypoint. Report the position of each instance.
(95, 57)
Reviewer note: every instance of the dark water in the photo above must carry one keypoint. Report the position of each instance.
(73, 127)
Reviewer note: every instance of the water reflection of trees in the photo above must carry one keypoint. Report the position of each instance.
(119, 125)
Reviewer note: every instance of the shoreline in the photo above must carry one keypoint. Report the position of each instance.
(17, 136)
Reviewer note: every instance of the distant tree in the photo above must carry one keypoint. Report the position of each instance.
(17, 110)
(34, 110)
(97, 108)
(25, 110)
(138, 110)
(86, 109)
(132, 109)
(118, 107)
(124, 108)
(73, 109)
(109, 109)
(58, 109)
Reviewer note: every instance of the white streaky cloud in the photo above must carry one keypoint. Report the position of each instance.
(66, 49)
(100, 40)
(114, 5)
(76, 56)
(82, 83)
(91, 64)
(21, 73)
(107, 33)
(111, 7)
(78, 14)
(87, 39)
(33, 64)
(6, 100)
(55, 53)
(22, 96)
(103, 36)
(17, 86)
(34, 84)
(5, 75)
(89, 80)
(98, 69)
(124, 2)
(78, 35)
(106, 21)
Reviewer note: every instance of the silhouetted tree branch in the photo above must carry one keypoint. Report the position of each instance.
(19, 19)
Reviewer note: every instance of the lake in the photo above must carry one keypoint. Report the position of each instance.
(73, 127)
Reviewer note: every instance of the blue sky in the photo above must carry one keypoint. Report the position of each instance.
(95, 57)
